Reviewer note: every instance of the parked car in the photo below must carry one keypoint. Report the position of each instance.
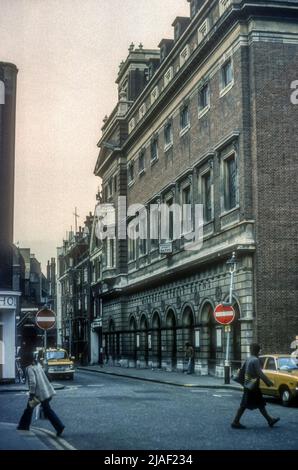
(56, 363)
(282, 370)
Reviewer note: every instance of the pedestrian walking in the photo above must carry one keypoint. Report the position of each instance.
(252, 398)
(40, 391)
(190, 356)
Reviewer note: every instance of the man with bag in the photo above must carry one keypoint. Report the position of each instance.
(40, 392)
(249, 376)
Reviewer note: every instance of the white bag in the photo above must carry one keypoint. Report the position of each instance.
(37, 411)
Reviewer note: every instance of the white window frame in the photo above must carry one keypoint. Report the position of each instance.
(184, 186)
(205, 109)
(169, 144)
(184, 129)
(111, 250)
(202, 175)
(154, 142)
(223, 87)
(131, 180)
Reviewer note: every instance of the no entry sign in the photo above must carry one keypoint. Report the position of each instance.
(224, 314)
(45, 319)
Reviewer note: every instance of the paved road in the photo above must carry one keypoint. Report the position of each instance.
(113, 413)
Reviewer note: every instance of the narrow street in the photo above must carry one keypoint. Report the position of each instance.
(105, 412)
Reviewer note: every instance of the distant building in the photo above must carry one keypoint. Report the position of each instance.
(36, 292)
(73, 293)
(206, 119)
(8, 285)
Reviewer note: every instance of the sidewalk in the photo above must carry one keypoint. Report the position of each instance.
(11, 439)
(161, 376)
(5, 388)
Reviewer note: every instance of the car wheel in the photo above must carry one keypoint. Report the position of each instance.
(285, 396)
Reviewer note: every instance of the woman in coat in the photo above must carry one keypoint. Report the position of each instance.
(252, 398)
(40, 390)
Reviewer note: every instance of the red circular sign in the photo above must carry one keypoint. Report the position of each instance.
(224, 314)
(45, 319)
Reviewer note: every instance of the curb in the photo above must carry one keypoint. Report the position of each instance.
(58, 442)
(25, 389)
(167, 382)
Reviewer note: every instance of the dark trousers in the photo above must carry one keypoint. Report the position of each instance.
(26, 418)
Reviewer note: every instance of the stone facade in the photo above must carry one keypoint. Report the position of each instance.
(204, 127)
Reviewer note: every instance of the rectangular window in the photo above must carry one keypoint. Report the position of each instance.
(184, 118)
(226, 74)
(106, 193)
(131, 233)
(230, 183)
(170, 220)
(168, 134)
(186, 210)
(111, 253)
(154, 226)
(207, 196)
(131, 175)
(154, 150)
(204, 97)
(143, 233)
(141, 162)
(85, 274)
(110, 188)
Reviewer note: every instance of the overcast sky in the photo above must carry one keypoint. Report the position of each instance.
(68, 53)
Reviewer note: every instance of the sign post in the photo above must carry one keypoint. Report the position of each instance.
(224, 314)
(45, 320)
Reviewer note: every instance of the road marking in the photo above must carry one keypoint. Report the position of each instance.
(101, 385)
(58, 442)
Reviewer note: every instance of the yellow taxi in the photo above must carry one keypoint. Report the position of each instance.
(282, 370)
(57, 363)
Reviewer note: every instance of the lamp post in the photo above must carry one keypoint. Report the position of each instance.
(232, 266)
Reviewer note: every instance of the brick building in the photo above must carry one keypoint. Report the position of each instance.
(73, 293)
(207, 119)
(9, 283)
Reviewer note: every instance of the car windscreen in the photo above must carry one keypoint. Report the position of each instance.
(56, 355)
(285, 363)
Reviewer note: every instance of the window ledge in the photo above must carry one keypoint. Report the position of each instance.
(226, 89)
(203, 111)
(142, 172)
(184, 130)
(224, 213)
(131, 183)
(155, 160)
(168, 146)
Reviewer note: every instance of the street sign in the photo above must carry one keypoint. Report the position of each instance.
(45, 319)
(224, 314)
(166, 248)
